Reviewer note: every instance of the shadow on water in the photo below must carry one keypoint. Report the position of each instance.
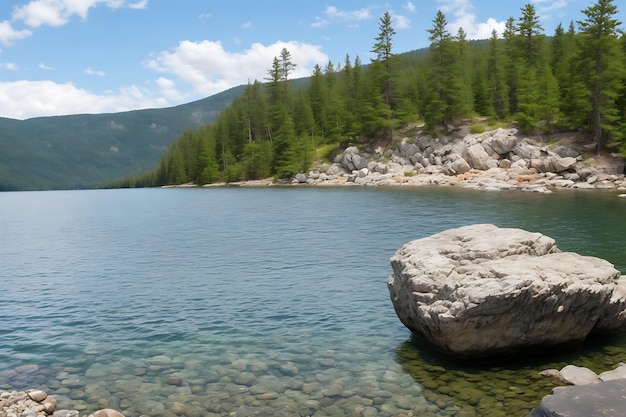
(497, 389)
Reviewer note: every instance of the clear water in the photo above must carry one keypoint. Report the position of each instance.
(253, 302)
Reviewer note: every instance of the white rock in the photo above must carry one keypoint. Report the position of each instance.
(517, 290)
(617, 373)
(578, 375)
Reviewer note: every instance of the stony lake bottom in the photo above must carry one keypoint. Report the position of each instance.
(260, 301)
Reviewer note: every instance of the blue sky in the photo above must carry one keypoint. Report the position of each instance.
(95, 56)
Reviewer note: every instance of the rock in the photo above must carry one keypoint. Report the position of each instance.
(551, 373)
(502, 141)
(106, 412)
(335, 170)
(563, 164)
(300, 178)
(578, 375)
(617, 373)
(607, 399)
(504, 163)
(480, 290)
(49, 404)
(526, 151)
(174, 380)
(460, 166)
(476, 157)
(359, 162)
(37, 395)
(66, 413)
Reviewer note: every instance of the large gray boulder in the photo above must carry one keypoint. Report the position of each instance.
(607, 399)
(480, 290)
(477, 157)
(503, 141)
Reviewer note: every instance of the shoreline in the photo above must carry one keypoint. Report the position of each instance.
(496, 160)
(495, 179)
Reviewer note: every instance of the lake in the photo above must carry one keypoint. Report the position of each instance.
(260, 301)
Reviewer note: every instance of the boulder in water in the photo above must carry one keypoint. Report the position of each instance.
(481, 291)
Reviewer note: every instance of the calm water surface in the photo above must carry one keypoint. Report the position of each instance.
(259, 302)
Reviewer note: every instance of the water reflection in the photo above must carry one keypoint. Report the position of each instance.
(511, 388)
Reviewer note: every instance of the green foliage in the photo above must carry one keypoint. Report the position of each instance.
(277, 130)
(477, 128)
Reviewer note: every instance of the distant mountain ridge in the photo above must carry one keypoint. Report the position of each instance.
(89, 150)
(92, 150)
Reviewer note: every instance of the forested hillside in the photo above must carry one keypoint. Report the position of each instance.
(89, 150)
(573, 79)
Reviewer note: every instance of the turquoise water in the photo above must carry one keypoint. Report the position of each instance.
(226, 301)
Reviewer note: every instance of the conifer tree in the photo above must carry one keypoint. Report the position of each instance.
(464, 103)
(602, 59)
(383, 48)
(530, 35)
(443, 94)
(512, 66)
(496, 79)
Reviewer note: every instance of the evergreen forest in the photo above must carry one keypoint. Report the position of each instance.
(571, 80)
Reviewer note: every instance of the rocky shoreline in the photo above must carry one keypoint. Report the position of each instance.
(36, 403)
(496, 160)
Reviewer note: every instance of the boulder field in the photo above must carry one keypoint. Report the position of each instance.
(481, 291)
(499, 159)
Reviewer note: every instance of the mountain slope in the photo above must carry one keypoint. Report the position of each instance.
(81, 151)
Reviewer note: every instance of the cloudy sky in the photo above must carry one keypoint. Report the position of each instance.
(95, 56)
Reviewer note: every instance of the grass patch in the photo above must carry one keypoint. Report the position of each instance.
(477, 128)
(410, 173)
(325, 152)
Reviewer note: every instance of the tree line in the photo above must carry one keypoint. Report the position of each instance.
(574, 80)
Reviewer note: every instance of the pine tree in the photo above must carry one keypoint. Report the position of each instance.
(383, 48)
(176, 168)
(464, 103)
(208, 171)
(574, 104)
(530, 35)
(444, 95)
(548, 98)
(512, 66)
(496, 78)
(601, 55)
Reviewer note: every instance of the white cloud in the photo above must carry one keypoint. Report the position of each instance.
(545, 8)
(461, 10)
(400, 22)
(10, 66)
(90, 71)
(44, 66)
(334, 14)
(246, 25)
(140, 5)
(168, 89)
(320, 22)
(210, 69)
(410, 6)
(58, 12)
(8, 35)
(26, 99)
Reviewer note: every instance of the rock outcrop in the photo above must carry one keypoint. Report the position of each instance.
(479, 291)
(592, 395)
(499, 159)
(607, 399)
